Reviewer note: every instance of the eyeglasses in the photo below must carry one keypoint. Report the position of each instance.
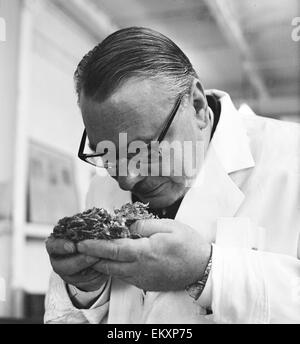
(96, 159)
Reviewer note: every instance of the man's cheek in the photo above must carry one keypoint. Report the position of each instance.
(171, 165)
(193, 158)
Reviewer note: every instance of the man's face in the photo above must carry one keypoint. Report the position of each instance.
(139, 109)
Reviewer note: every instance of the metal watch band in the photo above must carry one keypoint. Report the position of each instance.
(195, 290)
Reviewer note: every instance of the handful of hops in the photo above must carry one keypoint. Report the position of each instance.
(100, 224)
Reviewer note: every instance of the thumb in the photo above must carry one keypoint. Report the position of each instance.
(147, 228)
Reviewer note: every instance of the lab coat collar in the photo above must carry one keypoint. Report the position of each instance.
(214, 194)
(230, 141)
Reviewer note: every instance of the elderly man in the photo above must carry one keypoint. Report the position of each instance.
(225, 248)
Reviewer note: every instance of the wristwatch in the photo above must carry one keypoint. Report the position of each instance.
(195, 290)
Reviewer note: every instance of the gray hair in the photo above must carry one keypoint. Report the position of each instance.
(133, 52)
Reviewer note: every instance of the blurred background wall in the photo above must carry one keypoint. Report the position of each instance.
(248, 48)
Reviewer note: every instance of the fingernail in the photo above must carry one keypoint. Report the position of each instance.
(133, 225)
(91, 260)
(137, 225)
(80, 247)
(69, 247)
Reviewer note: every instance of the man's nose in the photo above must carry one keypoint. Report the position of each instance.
(128, 182)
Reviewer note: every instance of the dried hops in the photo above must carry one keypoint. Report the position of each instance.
(100, 224)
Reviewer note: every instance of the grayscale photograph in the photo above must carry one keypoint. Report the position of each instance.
(150, 165)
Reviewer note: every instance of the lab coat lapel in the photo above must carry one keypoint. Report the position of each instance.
(214, 194)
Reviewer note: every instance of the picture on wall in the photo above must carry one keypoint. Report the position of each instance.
(52, 191)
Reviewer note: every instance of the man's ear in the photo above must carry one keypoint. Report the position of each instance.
(199, 102)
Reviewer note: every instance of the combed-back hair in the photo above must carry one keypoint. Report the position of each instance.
(133, 52)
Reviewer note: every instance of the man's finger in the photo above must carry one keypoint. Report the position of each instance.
(123, 250)
(147, 228)
(72, 265)
(117, 269)
(56, 247)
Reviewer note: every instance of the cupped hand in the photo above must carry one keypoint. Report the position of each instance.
(169, 256)
(74, 268)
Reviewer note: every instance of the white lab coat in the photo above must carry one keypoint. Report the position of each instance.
(247, 201)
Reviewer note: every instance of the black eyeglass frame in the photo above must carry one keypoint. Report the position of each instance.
(82, 156)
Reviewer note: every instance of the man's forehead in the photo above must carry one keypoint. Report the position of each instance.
(137, 88)
(137, 108)
(134, 97)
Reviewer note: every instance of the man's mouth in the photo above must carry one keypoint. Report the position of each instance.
(145, 192)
